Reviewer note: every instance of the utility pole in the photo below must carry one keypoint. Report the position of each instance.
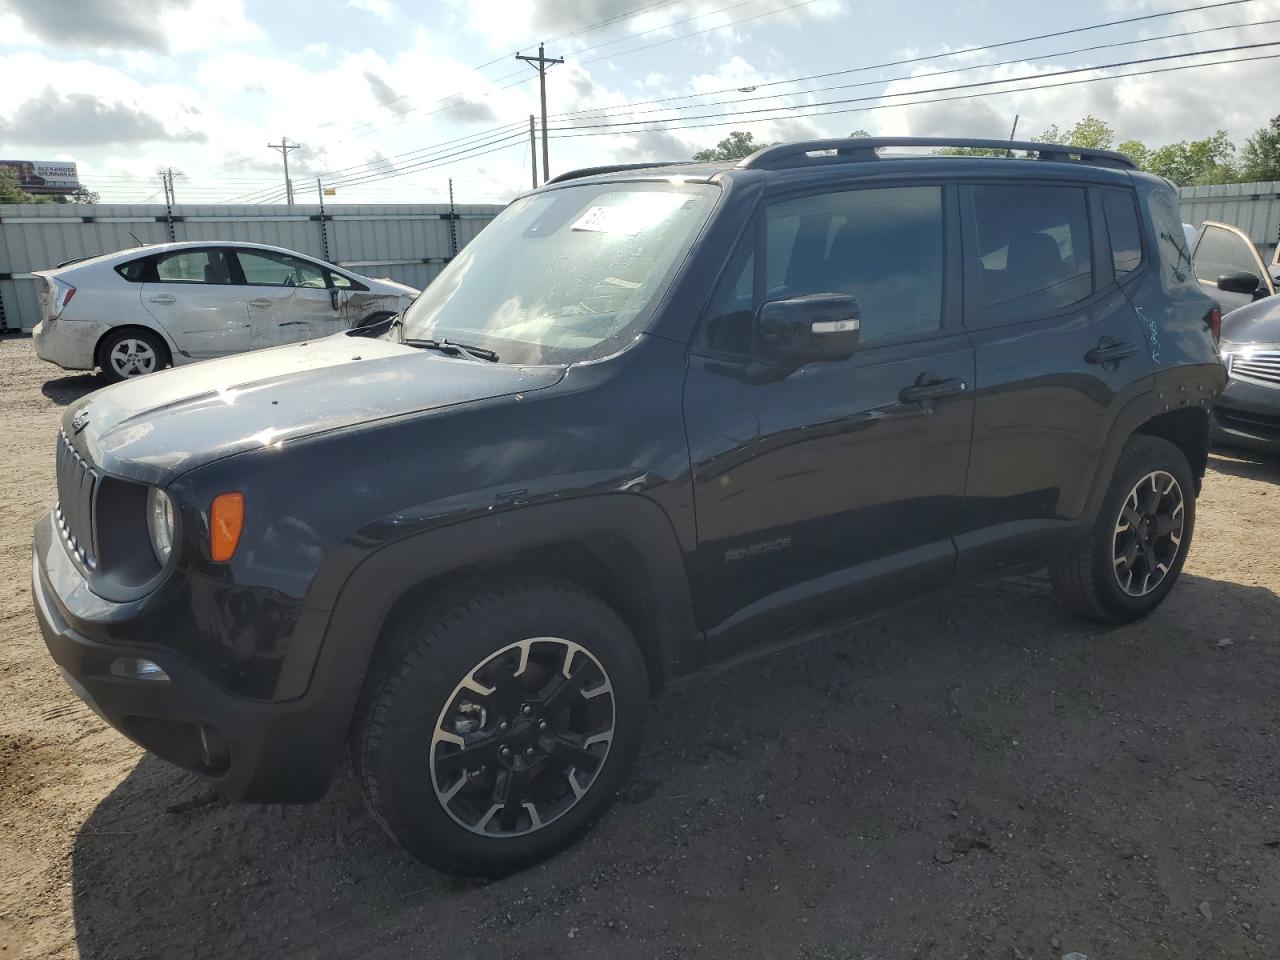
(543, 61)
(166, 181)
(533, 152)
(284, 146)
(453, 221)
(324, 232)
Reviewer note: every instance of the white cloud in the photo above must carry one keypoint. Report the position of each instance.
(382, 9)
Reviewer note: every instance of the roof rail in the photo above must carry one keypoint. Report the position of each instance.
(615, 168)
(857, 149)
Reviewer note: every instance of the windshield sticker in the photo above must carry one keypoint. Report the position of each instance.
(634, 215)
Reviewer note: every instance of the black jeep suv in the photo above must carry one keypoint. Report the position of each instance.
(652, 416)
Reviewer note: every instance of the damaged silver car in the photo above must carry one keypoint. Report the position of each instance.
(138, 310)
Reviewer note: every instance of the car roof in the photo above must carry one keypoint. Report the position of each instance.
(853, 158)
(123, 256)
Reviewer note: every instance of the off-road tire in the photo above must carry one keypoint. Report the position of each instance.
(428, 653)
(1084, 577)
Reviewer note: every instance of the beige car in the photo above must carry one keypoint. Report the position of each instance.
(138, 310)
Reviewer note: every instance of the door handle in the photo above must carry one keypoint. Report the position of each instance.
(260, 302)
(1110, 351)
(932, 389)
(163, 298)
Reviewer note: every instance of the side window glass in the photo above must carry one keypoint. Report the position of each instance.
(134, 271)
(731, 313)
(1033, 244)
(339, 281)
(193, 266)
(1221, 252)
(263, 268)
(1123, 230)
(882, 246)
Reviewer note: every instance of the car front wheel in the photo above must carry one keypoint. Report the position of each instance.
(499, 725)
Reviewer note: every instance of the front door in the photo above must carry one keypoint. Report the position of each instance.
(1222, 250)
(1060, 350)
(840, 482)
(289, 298)
(189, 292)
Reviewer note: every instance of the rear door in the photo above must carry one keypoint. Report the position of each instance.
(833, 484)
(189, 292)
(1059, 351)
(289, 298)
(1222, 250)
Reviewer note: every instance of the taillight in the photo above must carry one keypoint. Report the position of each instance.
(59, 296)
(1213, 320)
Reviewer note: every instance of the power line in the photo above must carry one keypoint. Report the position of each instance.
(933, 100)
(606, 113)
(929, 57)
(790, 111)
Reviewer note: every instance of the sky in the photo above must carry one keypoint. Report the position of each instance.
(390, 99)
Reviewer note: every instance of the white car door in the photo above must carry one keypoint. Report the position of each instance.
(189, 293)
(1223, 254)
(289, 299)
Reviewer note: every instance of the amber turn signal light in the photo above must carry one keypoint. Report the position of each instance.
(226, 520)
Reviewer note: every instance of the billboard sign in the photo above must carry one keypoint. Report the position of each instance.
(44, 176)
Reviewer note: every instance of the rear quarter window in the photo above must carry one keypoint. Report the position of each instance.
(135, 271)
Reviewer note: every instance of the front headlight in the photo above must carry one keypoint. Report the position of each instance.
(160, 523)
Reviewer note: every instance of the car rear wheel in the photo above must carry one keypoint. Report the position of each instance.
(499, 725)
(1135, 549)
(124, 354)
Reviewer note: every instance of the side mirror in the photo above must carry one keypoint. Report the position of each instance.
(810, 329)
(1242, 282)
(333, 297)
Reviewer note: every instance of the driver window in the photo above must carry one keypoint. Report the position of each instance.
(883, 246)
(263, 268)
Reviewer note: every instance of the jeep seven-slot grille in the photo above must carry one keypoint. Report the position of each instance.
(1264, 366)
(77, 488)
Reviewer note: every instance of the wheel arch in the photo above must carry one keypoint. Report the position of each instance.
(1185, 426)
(621, 547)
(171, 349)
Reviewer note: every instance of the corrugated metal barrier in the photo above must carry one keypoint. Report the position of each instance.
(406, 242)
(1253, 207)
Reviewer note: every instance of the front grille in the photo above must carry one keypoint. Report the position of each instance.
(77, 492)
(1263, 366)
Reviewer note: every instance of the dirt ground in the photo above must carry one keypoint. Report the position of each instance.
(976, 775)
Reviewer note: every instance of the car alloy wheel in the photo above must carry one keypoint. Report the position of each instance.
(522, 737)
(1148, 533)
(132, 357)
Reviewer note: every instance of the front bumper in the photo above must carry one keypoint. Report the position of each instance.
(248, 749)
(1247, 414)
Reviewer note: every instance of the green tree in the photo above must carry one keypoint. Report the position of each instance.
(733, 147)
(1091, 133)
(83, 194)
(1051, 134)
(1211, 160)
(1136, 151)
(11, 192)
(1260, 158)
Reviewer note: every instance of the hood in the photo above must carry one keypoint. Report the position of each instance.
(156, 427)
(393, 287)
(1257, 322)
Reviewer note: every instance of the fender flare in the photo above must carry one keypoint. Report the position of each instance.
(332, 670)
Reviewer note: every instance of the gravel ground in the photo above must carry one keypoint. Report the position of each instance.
(976, 775)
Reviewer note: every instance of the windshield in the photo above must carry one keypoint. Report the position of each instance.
(564, 276)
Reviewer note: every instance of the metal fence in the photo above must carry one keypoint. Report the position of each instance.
(410, 243)
(1253, 207)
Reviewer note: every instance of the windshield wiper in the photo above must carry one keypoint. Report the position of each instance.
(454, 349)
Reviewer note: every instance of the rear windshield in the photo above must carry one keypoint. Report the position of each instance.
(564, 276)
